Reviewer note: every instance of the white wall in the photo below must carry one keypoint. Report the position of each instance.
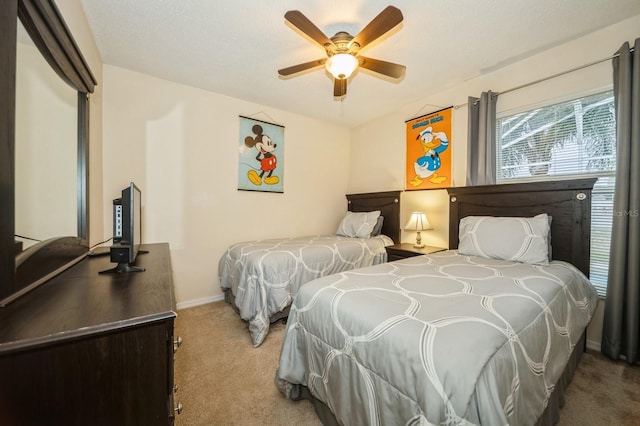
(180, 144)
(377, 160)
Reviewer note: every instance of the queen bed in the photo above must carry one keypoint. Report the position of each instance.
(260, 278)
(488, 332)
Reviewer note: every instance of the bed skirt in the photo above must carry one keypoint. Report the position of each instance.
(230, 298)
(550, 416)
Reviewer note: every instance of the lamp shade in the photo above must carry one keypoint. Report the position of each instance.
(341, 65)
(417, 222)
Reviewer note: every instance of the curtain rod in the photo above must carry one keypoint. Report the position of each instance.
(531, 83)
(560, 74)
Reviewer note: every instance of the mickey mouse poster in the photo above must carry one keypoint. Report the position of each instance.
(261, 163)
(429, 151)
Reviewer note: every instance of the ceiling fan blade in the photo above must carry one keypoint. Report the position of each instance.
(339, 87)
(301, 22)
(301, 67)
(386, 20)
(382, 67)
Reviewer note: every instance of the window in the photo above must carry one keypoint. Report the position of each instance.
(566, 140)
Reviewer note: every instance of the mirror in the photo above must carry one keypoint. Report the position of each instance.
(46, 148)
(24, 206)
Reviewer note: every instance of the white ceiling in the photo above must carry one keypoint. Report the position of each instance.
(235, 47)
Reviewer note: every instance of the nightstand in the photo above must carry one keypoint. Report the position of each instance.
(404, 250)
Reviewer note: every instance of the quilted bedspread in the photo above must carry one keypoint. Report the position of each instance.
(441, 339)
(265, 275)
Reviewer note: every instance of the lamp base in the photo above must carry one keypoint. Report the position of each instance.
(418, 243)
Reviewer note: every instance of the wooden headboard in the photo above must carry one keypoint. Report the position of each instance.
(567, 201)
(389, 205)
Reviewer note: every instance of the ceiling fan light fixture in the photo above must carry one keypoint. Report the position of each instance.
(341, 65)
(342, 49)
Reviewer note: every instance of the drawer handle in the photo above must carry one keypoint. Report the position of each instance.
(178, 408)
(177, 343)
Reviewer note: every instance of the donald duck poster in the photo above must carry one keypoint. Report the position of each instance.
(428, 163)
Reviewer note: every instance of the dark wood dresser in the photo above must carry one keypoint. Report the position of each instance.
(92, 349)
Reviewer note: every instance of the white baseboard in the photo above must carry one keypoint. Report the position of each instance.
(594, 346)
(197, 302)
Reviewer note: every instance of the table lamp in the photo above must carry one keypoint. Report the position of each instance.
(418, 222)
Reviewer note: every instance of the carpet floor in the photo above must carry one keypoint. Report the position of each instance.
(223, 380)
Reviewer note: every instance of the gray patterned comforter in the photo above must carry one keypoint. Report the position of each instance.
(265, 275)
(441, 339)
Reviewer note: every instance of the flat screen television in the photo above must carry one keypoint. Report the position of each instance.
(127, 218)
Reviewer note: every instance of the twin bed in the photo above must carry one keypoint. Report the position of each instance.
(260, 278)
(488, 332)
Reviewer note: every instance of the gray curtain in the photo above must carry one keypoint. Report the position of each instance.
(481, 140)
(621, 328)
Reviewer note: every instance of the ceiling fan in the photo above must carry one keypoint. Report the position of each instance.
(342, 49)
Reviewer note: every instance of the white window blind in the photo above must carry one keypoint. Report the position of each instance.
(566, 140)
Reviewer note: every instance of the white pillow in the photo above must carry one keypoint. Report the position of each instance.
(358, 225)
(517, 239)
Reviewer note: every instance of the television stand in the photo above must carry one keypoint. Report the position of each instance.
(125, 267)
(91, 349)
